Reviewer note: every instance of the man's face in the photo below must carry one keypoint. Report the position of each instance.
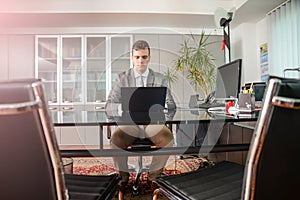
(140, 59)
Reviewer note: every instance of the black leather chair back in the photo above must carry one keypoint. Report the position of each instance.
(275, 164)
(25, 169)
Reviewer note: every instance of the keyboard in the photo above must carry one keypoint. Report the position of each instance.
(210, 105)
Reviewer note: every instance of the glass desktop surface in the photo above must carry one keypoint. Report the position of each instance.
(94, 118)
(176, 119)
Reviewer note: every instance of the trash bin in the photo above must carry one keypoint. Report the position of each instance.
(67, 165)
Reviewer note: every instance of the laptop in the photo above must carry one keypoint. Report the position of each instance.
(143, 99)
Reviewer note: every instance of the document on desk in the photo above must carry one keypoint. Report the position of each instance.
(216, 109)
(181, 108)
(219, 111)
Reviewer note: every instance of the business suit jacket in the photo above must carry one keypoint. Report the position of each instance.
(127, 79)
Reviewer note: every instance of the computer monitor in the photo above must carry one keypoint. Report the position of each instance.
(228, 80)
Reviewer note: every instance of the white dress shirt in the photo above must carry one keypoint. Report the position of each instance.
(141, 81)
(139, 77)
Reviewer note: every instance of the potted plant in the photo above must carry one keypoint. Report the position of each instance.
(197, 63)
(171, 77)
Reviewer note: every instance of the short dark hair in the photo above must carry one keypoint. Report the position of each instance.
(141, 44)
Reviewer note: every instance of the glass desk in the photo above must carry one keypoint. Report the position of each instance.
(175, 119)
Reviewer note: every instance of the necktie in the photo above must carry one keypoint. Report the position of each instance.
(141, 127)
(142, 81)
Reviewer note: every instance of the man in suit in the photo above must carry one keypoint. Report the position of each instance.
(160, 135)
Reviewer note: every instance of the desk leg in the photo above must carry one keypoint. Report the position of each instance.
(101, 136)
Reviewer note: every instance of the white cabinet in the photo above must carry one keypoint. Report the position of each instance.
(73, 135)
(47, 65)
(96, 64)
(4, 58)
(79, 134)
(21, 53)
(80, 69)
(120, 59)
(16, 56)
(60, 63)
(71, 71)
(78, 73)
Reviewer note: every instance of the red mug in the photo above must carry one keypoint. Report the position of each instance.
(228, 104)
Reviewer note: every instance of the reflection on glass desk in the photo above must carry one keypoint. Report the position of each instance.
(176, 119)
(92, 118)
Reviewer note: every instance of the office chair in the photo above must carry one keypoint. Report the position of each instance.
(139, 168)
(272, 167)
(31, 166)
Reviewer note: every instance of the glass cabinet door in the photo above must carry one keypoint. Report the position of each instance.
(81, 69)
(72, 76)
(47, 62)
(96, 66)
(120, 55)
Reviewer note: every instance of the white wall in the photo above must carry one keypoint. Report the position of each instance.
(21, 56)
(4, 57)
(261, 38)
(246, 40)
(244, 45)
(16, 56)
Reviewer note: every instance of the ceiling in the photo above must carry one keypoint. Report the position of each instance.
(43, 15)
(255, 10)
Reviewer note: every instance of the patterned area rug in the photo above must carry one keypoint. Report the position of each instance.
(104, 165)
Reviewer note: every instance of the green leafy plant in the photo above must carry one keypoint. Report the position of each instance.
(197, 63)
(171, 77)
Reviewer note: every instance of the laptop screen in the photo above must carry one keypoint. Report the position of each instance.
(143, 99)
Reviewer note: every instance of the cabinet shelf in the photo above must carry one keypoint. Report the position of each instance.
(71, 81)
(121, 58)
(96, 80)
(72, 58)
(49, 81)
(47, 58)
(96, 58)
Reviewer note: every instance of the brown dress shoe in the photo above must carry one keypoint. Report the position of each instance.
(124, 175)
